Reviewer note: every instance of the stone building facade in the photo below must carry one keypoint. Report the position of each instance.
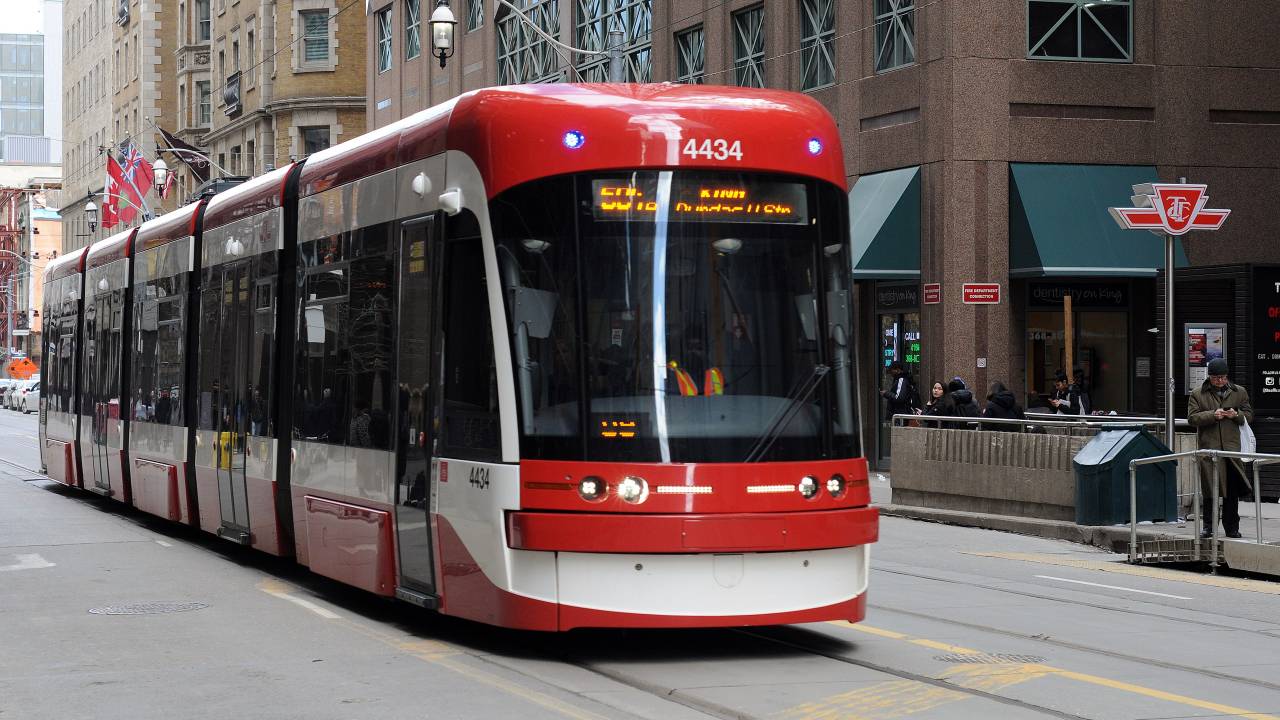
(88, 91)
(983, 143)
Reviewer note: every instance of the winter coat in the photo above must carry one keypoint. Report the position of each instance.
(1215, 434)
(900, 396)
(1005, 407)
(1077, 396)
(959, 403)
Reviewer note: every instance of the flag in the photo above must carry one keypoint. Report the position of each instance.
(137, 171)
(168, 184)
(110, 195)
(126, 201)
(188, 154)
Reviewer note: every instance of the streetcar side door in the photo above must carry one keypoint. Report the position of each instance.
(419, 274)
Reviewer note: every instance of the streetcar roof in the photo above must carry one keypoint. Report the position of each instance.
(110, 249)
(168, 227)
(514, 134)
(257, 195)
(65, 265)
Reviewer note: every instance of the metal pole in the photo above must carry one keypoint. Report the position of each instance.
(31, 253)
(1216, 513)
(1169, 437)
(1257, 502)
(1133, 512)
(614, 43)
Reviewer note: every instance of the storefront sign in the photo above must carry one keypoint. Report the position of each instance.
(1083, 295)
(1264, 385)
(981, 293)
(1203, 343)
(932, 293)
(897, 297)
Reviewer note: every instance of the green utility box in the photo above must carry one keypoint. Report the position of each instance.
(1102, 478)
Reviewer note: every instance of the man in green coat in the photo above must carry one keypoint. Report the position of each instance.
(1216, 410)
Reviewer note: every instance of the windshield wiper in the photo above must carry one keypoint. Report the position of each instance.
(796, 399)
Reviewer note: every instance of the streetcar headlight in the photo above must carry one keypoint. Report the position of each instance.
(633, 489)
(808, 487)
(835, 486)
(592, 488)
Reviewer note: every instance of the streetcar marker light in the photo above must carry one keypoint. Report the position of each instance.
(683, 489)
(592, 488)
(574, 139)
(815, 146)
(808, 487)
(835, 485)
(766, 489)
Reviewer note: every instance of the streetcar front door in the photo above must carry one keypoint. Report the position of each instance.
(232, 421)
(414, 408)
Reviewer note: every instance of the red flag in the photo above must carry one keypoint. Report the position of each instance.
(127, 200)
(168, 185)
(111, 194)
(137, 171)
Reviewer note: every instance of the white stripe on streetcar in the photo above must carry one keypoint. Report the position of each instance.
(1114, 587)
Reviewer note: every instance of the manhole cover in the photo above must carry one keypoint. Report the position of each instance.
(989, 659)
(152, 608)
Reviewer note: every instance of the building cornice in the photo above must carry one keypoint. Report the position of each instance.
(317, 103)
(239, 123)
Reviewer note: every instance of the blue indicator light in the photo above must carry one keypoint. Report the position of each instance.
(574, 139)
(815, 146)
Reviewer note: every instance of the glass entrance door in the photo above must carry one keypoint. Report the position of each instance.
(899, 341)
(414, 406)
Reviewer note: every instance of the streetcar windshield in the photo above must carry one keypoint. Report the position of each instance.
(668, 316)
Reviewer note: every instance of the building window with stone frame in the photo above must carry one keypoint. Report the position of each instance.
(524, 56)
(204, 99)
(1080, 30)
(203, 25)
(383, 18)
(748, 47)
(251, 60)
(895, 34)
(595, 18)
(412, 29)
(691, 55)
(251, 158)
(817, 44)
(314, 139)
(475, 15)
(315, 29)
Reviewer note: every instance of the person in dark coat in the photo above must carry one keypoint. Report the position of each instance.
(937, 396)
(1217, 410)
(960, 403)
(1070, 398)
(901, 392)
(1002, 405)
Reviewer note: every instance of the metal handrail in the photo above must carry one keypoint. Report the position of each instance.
(1257, 459)
(902, 418)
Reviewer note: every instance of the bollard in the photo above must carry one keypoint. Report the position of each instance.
(1217, 514)
(1257, 502)
(1133, 511)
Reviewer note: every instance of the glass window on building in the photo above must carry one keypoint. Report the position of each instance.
(202, 21)
(1100, 345)
(595, 18)
(524, 56)
(315, 38)
(691, 54)
(817, 43)
(204, 112)
(475, 15)
(1080, 30)
(314, 139)
(895, 34)
(412, 29)
(748, 47)
(384, 39)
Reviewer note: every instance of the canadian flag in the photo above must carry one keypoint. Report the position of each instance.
(111, 195)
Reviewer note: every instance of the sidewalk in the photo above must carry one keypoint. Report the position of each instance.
(1247, 554)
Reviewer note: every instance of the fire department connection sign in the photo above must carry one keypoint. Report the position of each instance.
(1173, 208)
(981, 293)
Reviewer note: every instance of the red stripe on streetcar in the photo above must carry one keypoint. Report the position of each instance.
(737, 532)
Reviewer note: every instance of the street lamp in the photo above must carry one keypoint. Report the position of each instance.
(442, 27)
(91, 214)
(161, 170)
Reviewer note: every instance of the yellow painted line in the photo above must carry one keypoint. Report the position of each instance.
(438, 653)
(1122, 568)
(991, 675)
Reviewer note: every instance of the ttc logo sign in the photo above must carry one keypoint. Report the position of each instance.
(1169, 208)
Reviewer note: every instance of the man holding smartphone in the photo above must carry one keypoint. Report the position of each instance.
(1216, 410)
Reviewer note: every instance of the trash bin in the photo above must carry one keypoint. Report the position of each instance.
(1102, 478)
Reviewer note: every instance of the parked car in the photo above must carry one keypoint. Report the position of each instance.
(17, 392)
(31, 399)
(7, 392)
(5, 385)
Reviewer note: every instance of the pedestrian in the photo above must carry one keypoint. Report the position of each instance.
(902, 395)
(1002, 405)
(960, 403)
(937, 395)
(1070, 398)
(1217, 410)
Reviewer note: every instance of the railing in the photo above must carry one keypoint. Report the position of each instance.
(1039, 420)
(1257, 459)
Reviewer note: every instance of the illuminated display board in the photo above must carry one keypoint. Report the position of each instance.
(693, 200)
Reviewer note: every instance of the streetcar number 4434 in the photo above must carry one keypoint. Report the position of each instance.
(717, 149)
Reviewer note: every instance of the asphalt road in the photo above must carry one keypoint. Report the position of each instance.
(962, 623)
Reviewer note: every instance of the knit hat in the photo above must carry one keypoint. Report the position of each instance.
(1217, 367)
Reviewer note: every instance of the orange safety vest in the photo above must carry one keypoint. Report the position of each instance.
(714, 382)
(687, 387)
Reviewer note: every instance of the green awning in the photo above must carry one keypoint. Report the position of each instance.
(884, 217)
(1059, 225)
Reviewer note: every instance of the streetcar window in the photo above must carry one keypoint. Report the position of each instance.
(470, 412)
(159, 335)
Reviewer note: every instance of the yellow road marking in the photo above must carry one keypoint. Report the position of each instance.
(443, 655)
(1244, 584)
(991, 674)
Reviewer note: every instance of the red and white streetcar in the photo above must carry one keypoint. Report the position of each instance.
(544, 356)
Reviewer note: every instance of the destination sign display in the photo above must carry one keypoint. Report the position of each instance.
(770, 202)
